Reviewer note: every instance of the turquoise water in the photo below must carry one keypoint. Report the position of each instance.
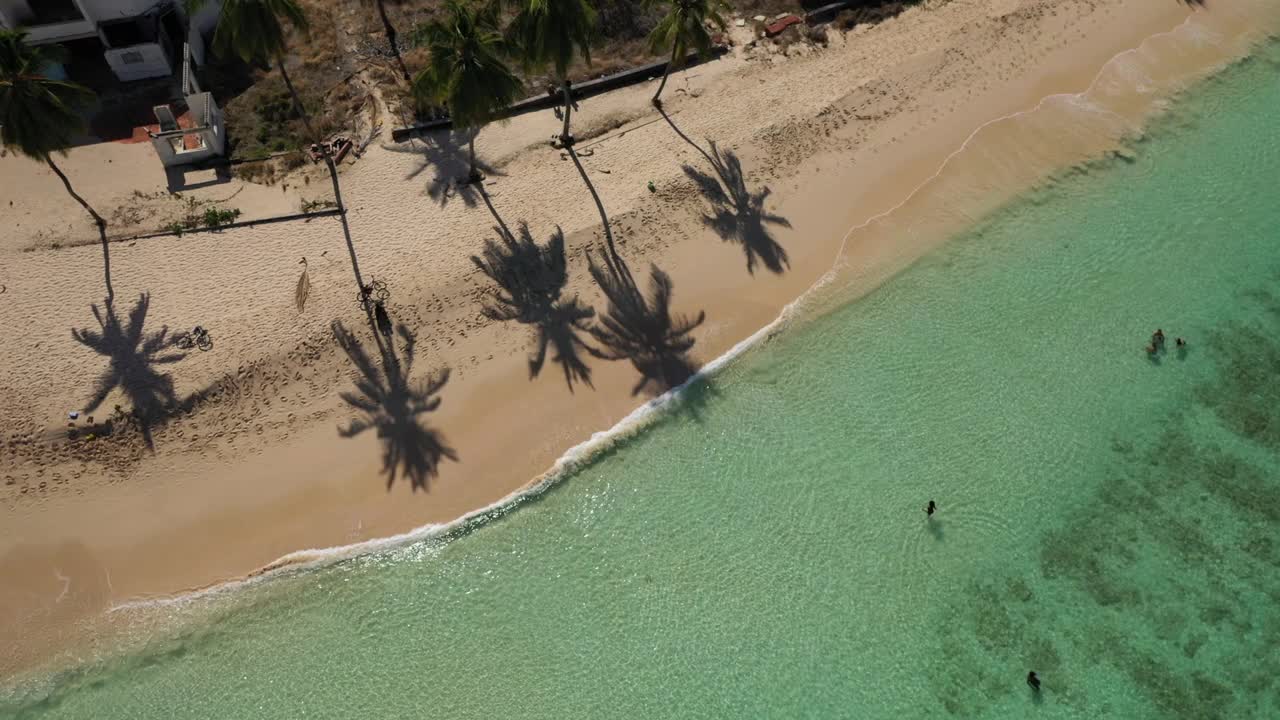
(1109, 521)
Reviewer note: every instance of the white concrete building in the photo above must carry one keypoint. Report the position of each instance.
(138, 39)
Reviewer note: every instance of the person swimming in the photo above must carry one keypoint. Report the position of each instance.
(1033, 681)
(1157, 338)
(930, 508)
(1180, 342)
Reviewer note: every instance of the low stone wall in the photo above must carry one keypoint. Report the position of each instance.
(579, 91)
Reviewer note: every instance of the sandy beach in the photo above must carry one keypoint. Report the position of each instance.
(855, 159)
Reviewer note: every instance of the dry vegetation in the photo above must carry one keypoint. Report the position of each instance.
(347, 41)
(261, 121)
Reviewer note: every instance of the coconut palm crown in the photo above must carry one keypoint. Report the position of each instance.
(466, 72)
(685, 26)
(551, 33)
(39, 116)
(255, 29)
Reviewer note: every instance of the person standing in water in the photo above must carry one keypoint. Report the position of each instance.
(930, 508)
(1033, 681)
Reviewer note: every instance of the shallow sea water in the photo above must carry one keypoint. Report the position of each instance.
(1108, 521)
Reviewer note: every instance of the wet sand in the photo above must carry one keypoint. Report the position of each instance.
(903, 150)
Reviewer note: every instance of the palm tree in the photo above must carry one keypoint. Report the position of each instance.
(390, 404)
(642, 329)
(38, 116)
(255, 31)
(551, 32)
(683, 27)
(466, 72)
(131, 359)
(530, 280)
(390, 31)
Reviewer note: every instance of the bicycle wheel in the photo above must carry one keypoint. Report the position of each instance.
(204, 342)
(183, 342)
(380, 291)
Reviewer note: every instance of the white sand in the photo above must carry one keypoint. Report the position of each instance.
(840, 135)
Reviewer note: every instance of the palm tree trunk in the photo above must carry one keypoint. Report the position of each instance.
(391, 39)
(506, 231)
(97, 220)
(604, 216)
(337, 191)
(657, 97)
(473, 175)
(297, 102)
(568, 107)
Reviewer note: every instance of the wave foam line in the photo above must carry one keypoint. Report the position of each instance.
(574, 458)
(1069, 97)
(582, 453)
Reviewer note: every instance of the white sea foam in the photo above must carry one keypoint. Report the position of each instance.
(642, 416)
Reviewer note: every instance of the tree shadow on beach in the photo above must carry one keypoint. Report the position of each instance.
(132, 356)
(595, 197)
(445, 154)
(391, 404)
(530, 281)
(642, 329)
(737, 214)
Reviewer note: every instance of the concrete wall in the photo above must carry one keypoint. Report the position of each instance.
(212, 138)
(12, 11)
(61, 32)
(115, 9)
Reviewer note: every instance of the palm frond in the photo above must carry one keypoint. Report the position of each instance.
(39, 116)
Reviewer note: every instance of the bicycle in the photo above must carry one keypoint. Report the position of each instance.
(197, 338)
(373, 293)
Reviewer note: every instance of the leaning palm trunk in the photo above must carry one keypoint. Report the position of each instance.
(306, 121)
(97, 220)
(568, 107)
(604, 216)
(390, 30)
(657, 97)
(473, 175)
(337, 189)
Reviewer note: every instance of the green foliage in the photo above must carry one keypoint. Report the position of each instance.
(685, 27)
(551, 32)
(254, 29)
(465, 71)
(197, 216)
(215, 217)
(38, 115)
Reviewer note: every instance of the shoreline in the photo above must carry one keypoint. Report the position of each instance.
(838, 281)
(637, 420)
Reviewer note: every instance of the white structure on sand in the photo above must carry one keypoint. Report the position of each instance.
(139, 39)
(203, 139)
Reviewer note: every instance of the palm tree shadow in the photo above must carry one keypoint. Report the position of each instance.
(530, 281)
(695, 397)
(132, 356)
(737, 213)
(642, 329)
(445, 154)
(391, 403)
